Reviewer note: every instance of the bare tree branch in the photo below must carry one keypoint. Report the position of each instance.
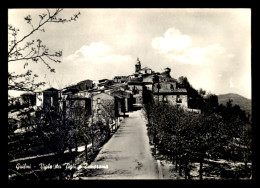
(32, 51)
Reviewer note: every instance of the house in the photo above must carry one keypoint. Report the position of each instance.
(27, 100)
(145, 71)
(148, 81)
(137, 87)
(105, 83)
(80, 99)
(103, 109)
(148, 78)
(167, 92)
(102, 80)
(125, 98)
(70, 89)
(139, 71)
(85, 85)
(120, 79)
(181, 97)
(48, 98)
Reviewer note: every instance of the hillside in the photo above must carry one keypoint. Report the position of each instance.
(244, 103)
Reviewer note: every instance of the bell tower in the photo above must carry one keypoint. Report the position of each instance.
(137, 65)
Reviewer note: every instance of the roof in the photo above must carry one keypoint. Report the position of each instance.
(120, 77)
(85, 81)
(51, 89)
(71, 89)
(135, 83)
(26, 94)
(170, 91)
(181, 90)
(146, 68)
(120, 94)
(102, 93)
(102, 80)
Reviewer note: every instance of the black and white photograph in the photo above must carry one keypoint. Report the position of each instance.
(129, 94)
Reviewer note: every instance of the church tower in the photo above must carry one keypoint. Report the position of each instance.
(137, 66)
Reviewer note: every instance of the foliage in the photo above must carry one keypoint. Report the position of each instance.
(186, 137)
(55, 131)
(195, 97)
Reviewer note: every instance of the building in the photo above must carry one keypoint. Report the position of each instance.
(137, 66)
(145, 71)
(140, 72)
(136, 87)
(120, 79)
(85, 85)
(105, 83)
(167, 93)
(28, 99)
(48, 99)
(81, 99)
(126, 100)
(103, 109)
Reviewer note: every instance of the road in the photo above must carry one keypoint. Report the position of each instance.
(127, 154)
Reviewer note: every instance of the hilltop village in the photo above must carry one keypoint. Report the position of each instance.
(118, 96)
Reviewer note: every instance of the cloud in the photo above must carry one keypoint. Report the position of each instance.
(95, 49)
(197, 54)
(173, 40)
(97, 52)
(177, 46)
(96, 61)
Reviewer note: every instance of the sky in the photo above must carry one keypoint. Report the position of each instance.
(211, 47)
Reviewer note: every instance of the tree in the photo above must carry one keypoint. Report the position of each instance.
(195, 97)
(183, 82)
(108, 115)
(246, 143)
(26, 50)
(55, 131)
(211, 103)
(202, 92)
(81, 116)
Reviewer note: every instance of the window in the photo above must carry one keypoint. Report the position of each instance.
(178, 99)
(164, 99)
(51, 101)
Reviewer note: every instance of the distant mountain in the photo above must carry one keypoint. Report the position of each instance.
(243, 102)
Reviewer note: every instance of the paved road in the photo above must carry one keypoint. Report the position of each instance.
(127, 154)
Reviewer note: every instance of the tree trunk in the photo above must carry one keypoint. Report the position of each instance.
(86, 151)
(60, 161)
(201, 171)
(72, 155)
(172, 157)
(92, 141)
(246, 167)
(180, 168)
(176, 163)
(76, 145)
(187, 171)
